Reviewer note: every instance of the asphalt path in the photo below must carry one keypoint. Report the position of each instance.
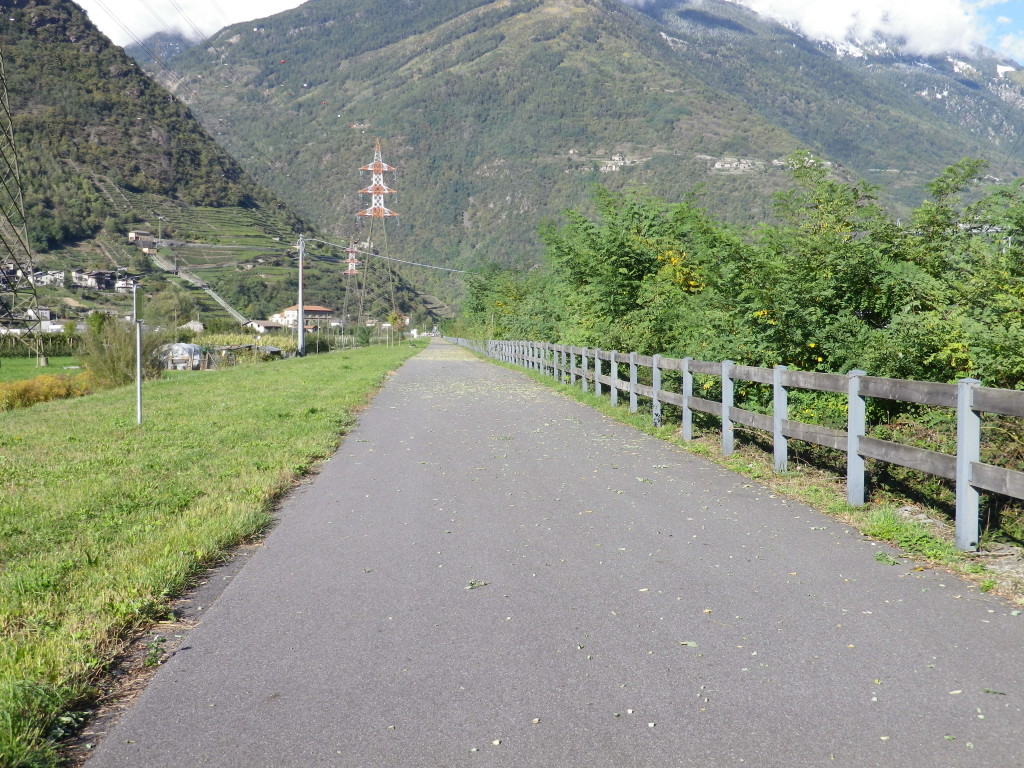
(488, 573)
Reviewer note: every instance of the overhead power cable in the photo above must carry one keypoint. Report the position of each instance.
(377, 255)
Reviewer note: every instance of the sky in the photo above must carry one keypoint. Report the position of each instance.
(928, 26)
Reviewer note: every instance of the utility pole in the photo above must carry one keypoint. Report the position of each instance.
(138, 371)
(301, 308)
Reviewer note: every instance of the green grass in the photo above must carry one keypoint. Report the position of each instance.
(18, 368)
(102, 521)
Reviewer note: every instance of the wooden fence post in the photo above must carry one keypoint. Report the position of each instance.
(780, 412)
(572, 366)
(632, 382)
(613, 373)
(656, 386)
(686, 428)
(585, 361)
(597, 372)
(968, 450)
(856, 428)
(728, 438)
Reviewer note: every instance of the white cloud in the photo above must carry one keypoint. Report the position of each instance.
(926, 26)
(1012, 46)
(132, 19)
(1004, 20)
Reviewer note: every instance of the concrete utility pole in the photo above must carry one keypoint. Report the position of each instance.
(301, 314)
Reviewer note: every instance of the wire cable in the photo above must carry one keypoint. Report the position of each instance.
(387, 258)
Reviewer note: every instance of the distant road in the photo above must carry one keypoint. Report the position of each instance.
(490, 574)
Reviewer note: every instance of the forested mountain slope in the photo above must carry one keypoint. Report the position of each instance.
(88, 122)
(500, 114)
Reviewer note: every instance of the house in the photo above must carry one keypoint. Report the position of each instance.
(97, 279)
(48, 277)
(263, 326)
(139, 234)
(125, 283)
(289, 316)
(10, 276)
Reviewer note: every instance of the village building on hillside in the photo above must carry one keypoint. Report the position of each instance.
(289, 316)
(263, 326)
(48, 277)
(99, 280)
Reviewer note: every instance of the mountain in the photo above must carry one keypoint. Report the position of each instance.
(104, 149)
(161, 46)
(501, 113)
(89, 122)
(497, 115)
(891, 118)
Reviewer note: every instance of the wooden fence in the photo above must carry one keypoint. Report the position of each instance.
(599, 371)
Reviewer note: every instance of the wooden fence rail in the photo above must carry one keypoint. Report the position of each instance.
(599, 371)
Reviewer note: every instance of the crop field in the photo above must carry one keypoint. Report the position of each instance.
(220, 226)
(102, 521)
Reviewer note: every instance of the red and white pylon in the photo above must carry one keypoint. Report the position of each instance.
(352, 262)
(377, 188)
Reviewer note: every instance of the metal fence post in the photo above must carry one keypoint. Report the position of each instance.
(632, 382)
(780, 412)
(686, 428)
(968, 450)
(656, 386)
(856, 428)
(728, 439)
(613, 372)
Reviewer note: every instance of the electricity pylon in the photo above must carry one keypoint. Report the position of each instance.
(19, 303)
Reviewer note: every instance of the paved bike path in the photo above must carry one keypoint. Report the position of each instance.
(632, 605)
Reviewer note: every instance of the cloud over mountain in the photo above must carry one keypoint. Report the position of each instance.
(926, 26)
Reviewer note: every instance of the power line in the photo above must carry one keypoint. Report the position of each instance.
(388, 258)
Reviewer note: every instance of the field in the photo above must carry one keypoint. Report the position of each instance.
(18, 368)
(102, 521)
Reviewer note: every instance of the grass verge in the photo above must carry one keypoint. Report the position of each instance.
(19, 368)
(102, 521)
(824, 491)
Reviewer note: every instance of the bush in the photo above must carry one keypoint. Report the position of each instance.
(109, 354)
(41, 389)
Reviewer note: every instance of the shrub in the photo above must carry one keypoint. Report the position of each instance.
(108, 353)
(41, 389)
